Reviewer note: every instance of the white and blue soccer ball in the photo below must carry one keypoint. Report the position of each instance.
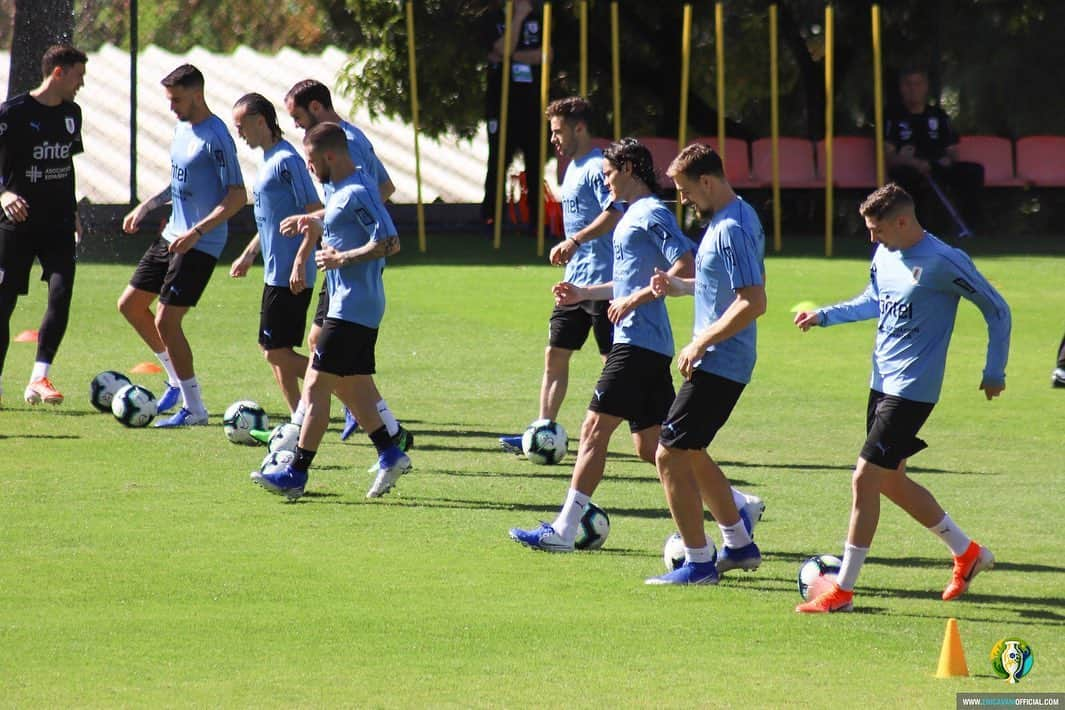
(814, 567)
(594, 528)
(284, 437)
(673, 554)
(241, 418)
(544, 442)
(133, 406)
(277, 461)
(103, 387)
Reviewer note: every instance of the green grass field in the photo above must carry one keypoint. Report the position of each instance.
(142, 568)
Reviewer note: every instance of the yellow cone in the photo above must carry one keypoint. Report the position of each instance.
(952, 656)
(804, 306)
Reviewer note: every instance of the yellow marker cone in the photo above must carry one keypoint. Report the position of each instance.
(952, 656)
(804, 306)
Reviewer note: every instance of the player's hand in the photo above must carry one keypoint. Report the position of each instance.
(310, 226)
(807, 319)
(562, 252)
(241, 265)
(328, 258)
(619, 308)
(297, 280)
(992, 390)
(566, 294)
(664, 284)
(686, 359)
(132, 221)
(184, 243)
(15, 208)
(290, 226)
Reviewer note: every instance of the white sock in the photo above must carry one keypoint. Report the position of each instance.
(698, 554)
(388, 418)
(569, 517)
(853, 559)
(190, 395)
(300, 414)
(40, 369)
(947, 531)
(735, 535)
(738, 498)
(171, 373)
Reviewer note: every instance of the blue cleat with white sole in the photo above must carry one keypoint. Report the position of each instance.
(542, 538)
(391, 464)
(289, 483)
(168, 400)
(403, 440)
(512, 445)
(351, 425)
(183, 418)
(688, 573)
(747, 558)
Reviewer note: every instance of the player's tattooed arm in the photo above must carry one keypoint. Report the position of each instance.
(132, 221)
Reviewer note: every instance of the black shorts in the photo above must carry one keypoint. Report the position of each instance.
(892, 424)
(179, 279)
(323, 306)
(635, 385)
(283, 317)
(570, 326)
(54, 249)
(345, 348)
(701, 408)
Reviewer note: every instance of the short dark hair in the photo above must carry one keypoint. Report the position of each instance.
(632, 151)
(886, 202)
(573, 109)
(308, 90)
(696, 160)
(186, 76)
(326, 136)
(258, 105)
(61, 55)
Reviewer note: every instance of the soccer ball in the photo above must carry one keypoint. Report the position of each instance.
(284, 437)
(133, 405)
(814, 567)
(103, 387)
(544, 442)
(240, 418)
(673, 551)
(277, 461)
(595, 526)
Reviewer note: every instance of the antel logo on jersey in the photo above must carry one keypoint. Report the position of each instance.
(51, 151)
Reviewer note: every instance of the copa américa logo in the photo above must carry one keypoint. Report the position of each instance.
(1012, 659)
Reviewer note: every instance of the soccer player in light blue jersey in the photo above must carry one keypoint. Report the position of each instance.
(282, 188)
(589, 216)
(635, 384)
(729, 290)
(309, 103)
(352, 255)
(915, 284)
(206, 189)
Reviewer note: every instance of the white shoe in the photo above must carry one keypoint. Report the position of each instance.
(390, 467)
(752, 509)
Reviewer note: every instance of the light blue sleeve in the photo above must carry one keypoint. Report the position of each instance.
(361, 212)
(302, 186)
(667, 235)
(862, 307)
(378, 169)
(742, 263)
(960, 276)
(602, 192)
(226, 155)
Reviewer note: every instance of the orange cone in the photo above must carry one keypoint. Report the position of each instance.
(952, 656)
(26, 336)
(145, 368)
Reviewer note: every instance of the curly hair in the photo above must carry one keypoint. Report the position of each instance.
(632, 151)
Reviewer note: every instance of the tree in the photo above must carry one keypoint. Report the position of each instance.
(38, 24)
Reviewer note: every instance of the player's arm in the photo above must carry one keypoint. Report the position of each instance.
(750, 303)
(386, 188)
(132, 221)
(297, 280)
(296, 224)
(603, 223)
(663, 284)
(235, 198)
(567, 294)
(240, 266)
(683, 267)
(971, 285)
(862, 307)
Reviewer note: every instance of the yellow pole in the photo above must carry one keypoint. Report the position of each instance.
(829, 132)
(584, 47)
(774, 123)
(501, 134)
(685, 72)
(615, 52)
(545, 96)
(878, 95)
(719, 50)
(414, 119)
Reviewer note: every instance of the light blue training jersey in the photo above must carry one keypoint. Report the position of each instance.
(282, 188)
(647, 237)
(584, 197)
(730, 257)
(203, 166)
(914, 292)
(370, 171)
(356, 291)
